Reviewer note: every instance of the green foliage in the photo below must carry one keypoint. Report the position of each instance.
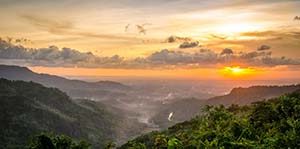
(48, 141)
(28, 108)
(174, 143)
(266, 124)
(136, 145)
(161, 141)
(110, 145)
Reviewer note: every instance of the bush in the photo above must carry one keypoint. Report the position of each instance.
(50, 141)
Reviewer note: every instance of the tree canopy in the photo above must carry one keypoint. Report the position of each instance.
(273, 123)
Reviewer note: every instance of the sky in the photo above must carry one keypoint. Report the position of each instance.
(258, 39)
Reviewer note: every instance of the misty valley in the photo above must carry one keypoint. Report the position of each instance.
(109, 112)
(149, 74)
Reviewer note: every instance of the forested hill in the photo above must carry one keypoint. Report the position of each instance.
(28, 108)
(185, 109)
(243, 96)
(274, 123)
(74, 88)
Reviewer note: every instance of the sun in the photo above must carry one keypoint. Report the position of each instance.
(237, 72)
(231, 28)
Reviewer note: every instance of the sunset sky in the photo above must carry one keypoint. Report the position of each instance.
(258, 39)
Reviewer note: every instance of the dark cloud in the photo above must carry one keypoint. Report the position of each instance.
(263, 48)
(297, 18)
(209, 57)
(173, 39)
(17, 40)
(10, 51)
(253, 55)
(226, 51)
(169, 57)
(279, 61)
(166, 56)
(53, 56)
(189, 45)
(67, 57)
(23, 41)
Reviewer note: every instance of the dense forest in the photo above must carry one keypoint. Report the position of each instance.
(274, 123)
(28, 109)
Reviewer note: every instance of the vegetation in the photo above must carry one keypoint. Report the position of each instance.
(51, 141)
(28, 108)
(266, 124)
(185, 109)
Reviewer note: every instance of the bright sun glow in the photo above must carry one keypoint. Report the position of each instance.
(237, 72)
(237, 27)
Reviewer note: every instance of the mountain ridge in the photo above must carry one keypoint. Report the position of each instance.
(185, 109)
(74, 88)
(243, 96)
(272, 123)
(28, 108)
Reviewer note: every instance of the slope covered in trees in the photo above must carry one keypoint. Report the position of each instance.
(74, 88)
(185, 109)
(28, 108)
(51, 141)
(274, 123)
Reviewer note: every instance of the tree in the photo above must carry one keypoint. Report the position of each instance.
(50, 141)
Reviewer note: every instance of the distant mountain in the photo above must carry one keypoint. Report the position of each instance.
(185, 109)
(270, 123)
(74, 88)
(28, 108)
(243, 96)
(181, 109)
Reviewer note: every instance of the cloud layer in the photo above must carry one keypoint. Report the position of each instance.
(53, 56)
(67, 57)
(226, 57)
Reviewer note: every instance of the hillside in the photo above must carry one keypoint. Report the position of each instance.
(185, 109)
(28, 108)
(265, 124)
(243, 96)
(182, 110)
(74, 88)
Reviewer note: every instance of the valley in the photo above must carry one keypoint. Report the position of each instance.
(138, 109)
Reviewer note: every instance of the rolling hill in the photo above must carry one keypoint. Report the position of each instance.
(28, 108)
(270, 123)
(74, 88)
(243, 96)
(185, 109)
(182, 110)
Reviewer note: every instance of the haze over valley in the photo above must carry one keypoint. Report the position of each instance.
(135, 74)
(145, 105)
